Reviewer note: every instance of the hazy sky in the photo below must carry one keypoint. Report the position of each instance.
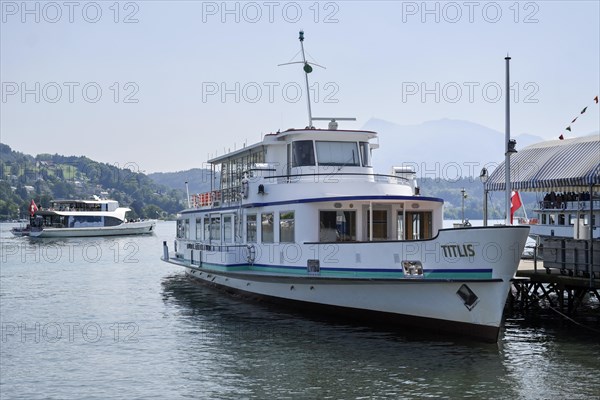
(163, 85)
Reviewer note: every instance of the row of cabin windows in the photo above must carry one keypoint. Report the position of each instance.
(76, 221)
(222, 228)
(330, 153)
(565, 219)
(267, 231)
(340, 226)
(334, 226)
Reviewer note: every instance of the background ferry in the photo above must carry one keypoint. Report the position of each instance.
(76, 218)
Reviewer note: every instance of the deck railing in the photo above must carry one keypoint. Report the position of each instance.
(233, 196)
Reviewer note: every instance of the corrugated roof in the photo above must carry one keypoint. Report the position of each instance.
(555, 165)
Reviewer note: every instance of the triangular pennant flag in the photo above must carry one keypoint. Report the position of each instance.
(561, 137)
(574, 119)
(582, 111)
(596, 99)
(568, 128)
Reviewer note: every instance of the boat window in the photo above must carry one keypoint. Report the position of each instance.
(198, 228)
(81, 221)
(418, 225)
(552, 219)
(561, 219)
(228, 229)
(338, 153)
(267, 228)
(303, 153)
(215, 227)
(112, 221)
(251, 228)
(206, 228)
(286, 227)
(186, 228)
(179, 228)
(365, 153)
(337, 226)
(585, 219)
(400, 225)
(544, 219)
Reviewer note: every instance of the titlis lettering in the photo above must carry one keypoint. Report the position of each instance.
(458, 250)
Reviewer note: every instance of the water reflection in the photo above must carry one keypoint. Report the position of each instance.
(269, 351)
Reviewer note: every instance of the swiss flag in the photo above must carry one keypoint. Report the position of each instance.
(515, 204)
(32, 208)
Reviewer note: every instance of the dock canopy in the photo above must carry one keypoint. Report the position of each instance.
(555, 165)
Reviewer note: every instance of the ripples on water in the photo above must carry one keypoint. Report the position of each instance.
(163, 336)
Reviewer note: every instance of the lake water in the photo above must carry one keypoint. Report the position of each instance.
(105, 318)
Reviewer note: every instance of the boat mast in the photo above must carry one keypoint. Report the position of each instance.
(307, 70)
(307, 67)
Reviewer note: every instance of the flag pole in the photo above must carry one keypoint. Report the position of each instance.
(187, 191)
(507, 140)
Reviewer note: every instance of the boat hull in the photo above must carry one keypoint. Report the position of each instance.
(129, 228)
(462, 289)
(433, 305)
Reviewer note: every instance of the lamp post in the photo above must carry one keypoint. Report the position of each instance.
(483, 176)
(463, 197)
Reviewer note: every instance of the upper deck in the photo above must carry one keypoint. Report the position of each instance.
(303, 163)
(84, 205)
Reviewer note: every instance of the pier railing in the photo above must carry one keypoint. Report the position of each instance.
(578, 205)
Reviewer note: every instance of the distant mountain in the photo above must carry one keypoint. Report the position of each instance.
(198, 179)
(444, 148)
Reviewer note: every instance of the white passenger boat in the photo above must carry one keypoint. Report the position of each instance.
(301, 218)
(78, 218)
(567, 215)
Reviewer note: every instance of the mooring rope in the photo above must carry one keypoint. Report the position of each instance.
(566, 316)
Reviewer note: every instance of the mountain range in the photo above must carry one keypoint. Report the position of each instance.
(445, 148)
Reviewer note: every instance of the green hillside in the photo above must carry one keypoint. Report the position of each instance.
(45, 177)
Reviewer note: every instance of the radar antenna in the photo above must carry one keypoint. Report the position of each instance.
(307, 70)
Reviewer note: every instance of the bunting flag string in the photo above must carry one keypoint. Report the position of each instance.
(568, 128)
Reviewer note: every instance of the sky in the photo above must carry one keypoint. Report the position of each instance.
(165, 85)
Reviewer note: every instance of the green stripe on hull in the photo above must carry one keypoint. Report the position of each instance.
(458, 275)
(344, 274)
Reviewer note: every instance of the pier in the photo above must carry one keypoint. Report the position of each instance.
(536, 286)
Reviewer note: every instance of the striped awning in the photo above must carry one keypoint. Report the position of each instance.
(556, 165)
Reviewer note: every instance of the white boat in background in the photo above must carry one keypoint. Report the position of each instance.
(567, 215)
(79, 218)
(301, 218)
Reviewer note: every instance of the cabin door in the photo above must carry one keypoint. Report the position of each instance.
(380, 223)
(418, 225)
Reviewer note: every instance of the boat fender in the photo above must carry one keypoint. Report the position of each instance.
(251, 253)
